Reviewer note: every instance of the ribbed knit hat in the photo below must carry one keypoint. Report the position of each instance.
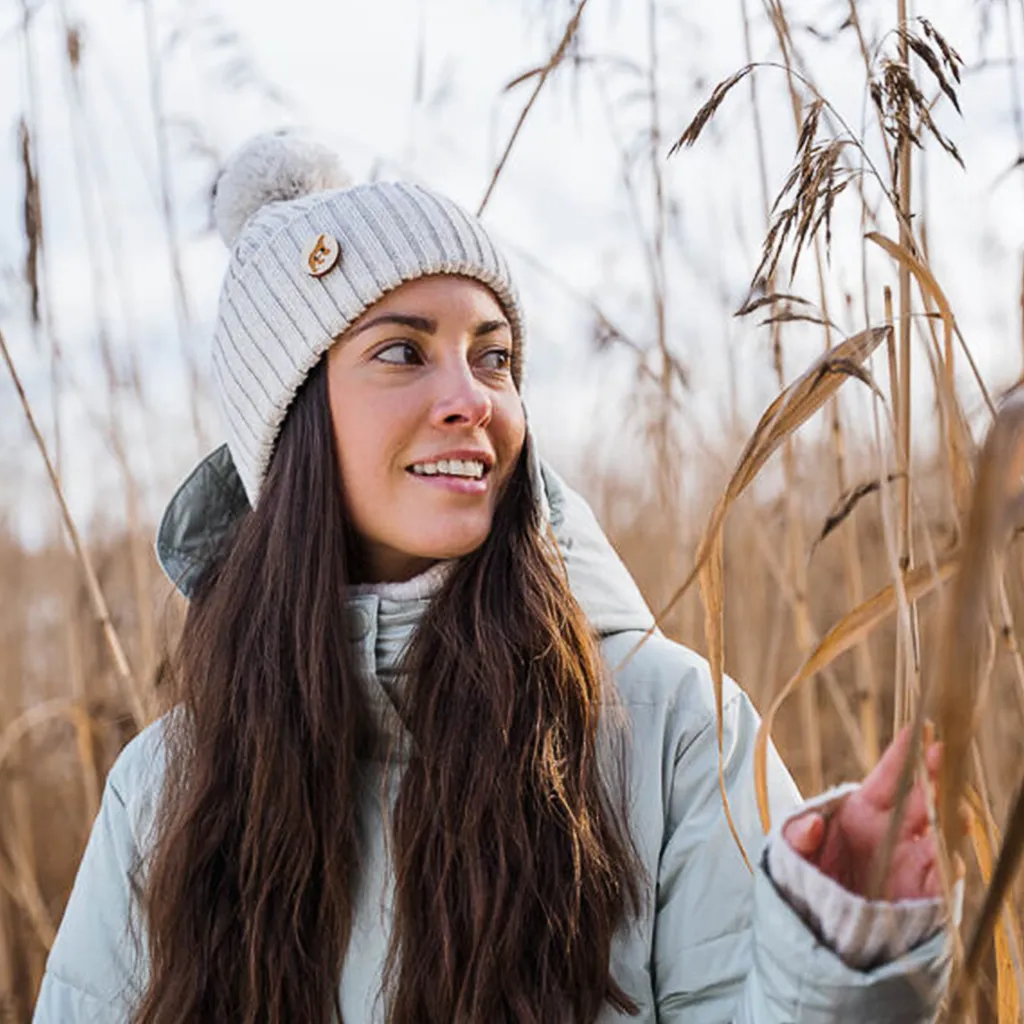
(309, 255)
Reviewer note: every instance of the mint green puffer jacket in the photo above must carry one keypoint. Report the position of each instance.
(716, 945)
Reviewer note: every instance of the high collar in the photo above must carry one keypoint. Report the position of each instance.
(381, 626)
(427, 584)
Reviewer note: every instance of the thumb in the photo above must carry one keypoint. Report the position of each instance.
(805, 834)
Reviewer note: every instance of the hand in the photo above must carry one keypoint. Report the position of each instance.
(844, 845)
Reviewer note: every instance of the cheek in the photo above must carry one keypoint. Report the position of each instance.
(359, 433)
(508, 428)
(369, 437)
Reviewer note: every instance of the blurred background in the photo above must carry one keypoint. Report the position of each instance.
(560, 121)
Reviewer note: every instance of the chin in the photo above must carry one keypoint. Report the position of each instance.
(447, 545)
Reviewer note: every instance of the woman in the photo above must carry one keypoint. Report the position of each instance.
(412, 774)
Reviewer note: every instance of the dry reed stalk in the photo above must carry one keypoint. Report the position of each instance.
(868, 71)
(36, 262)
(182, 308)
(907, 656)
(803, 629)
(1015, 92)
(851, 630)
(87, 153)
(959, 445)
(20, 842)
(33, 717)
(894, 374)
(851, 557)
(790, 410)
(132, 691)
(542, 73)
(962, 682)
(833, 688)
(998, 890)
(8, 989)
(658, 188)
(985, 839)
(786, 414)
(37, 274)
(17, 867)
(995, 508)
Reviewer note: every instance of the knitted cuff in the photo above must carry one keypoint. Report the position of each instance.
(863, 933)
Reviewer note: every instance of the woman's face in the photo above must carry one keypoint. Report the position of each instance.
(427, 420)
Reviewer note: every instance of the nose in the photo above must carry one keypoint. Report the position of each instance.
(462, 399)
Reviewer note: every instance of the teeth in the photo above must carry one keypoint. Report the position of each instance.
(469, 468)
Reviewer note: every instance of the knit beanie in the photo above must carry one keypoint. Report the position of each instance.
(309, 255)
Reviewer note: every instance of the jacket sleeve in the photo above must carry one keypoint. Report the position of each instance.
(728, 948)
(94, 970)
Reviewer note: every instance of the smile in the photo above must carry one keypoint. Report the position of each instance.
(469, 469)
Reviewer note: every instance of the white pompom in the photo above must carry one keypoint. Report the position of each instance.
(269, 168)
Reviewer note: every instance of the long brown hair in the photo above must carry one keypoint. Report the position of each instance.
(514, 865)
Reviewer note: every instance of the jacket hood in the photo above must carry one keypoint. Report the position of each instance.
(212, 497)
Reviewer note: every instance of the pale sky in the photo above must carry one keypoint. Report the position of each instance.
(414, 88)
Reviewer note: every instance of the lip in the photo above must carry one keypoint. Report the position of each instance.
(454, 484)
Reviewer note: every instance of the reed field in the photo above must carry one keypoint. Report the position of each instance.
(846, 545)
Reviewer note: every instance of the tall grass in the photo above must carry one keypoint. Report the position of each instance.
(880, 584)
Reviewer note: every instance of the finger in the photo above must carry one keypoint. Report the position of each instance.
(933, 758)
(805, 834)
(914, 865)
(880, 785)
(915, 812)
(931, 886)
(966, 815)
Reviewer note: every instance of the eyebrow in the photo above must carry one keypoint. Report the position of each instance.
(427, 326)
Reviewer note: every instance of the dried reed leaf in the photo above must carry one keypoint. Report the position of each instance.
(925, 278)
(786, 414)
(126, 677)
(934, 65)
(73, 46)
(960, 441)
(814, 183)
(953, 61)
(848, 502)
(790, 410)
(854, 627)
(557, 57)
(791, 317)
(1007, 935)
(23, 887)
(525, 77)
(31, 221)
(801, 400)
(752, 304)
(31, 718)
(896, 95)
(994, 511)
(712, 593)
(998, 891)
(709, 109)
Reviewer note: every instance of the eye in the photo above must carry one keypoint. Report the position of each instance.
(400, 353)
(497, 359)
